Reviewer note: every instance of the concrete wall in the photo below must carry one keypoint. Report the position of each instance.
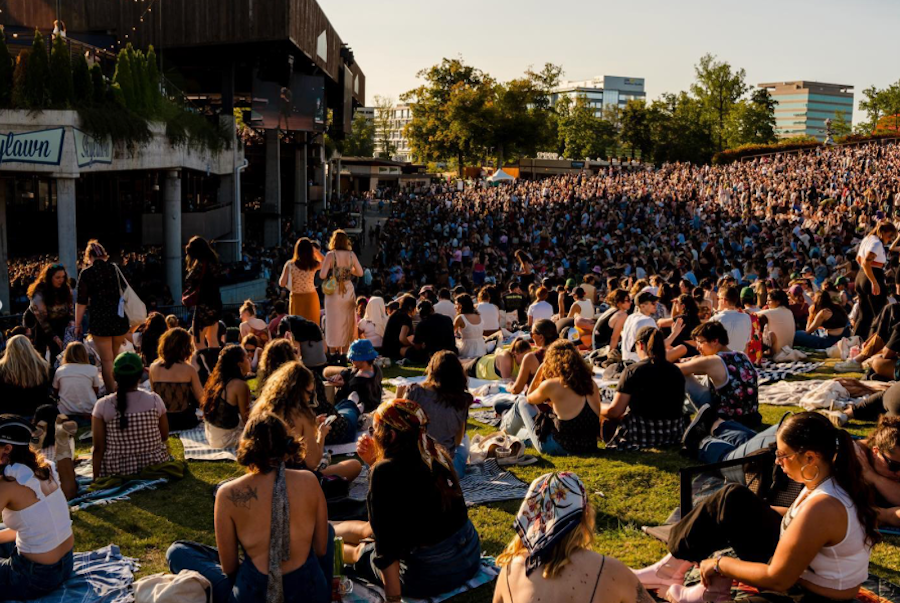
(236, 294)
(213, 224)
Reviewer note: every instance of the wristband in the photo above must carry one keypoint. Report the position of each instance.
(718, 558)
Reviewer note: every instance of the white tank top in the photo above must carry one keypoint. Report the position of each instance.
(846, 564)
(44, 525)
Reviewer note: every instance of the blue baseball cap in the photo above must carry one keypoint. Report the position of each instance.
(362, 350)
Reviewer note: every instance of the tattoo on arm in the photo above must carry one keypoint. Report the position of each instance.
(242, 497)
(641, 595)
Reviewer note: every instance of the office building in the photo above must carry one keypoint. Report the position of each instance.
(395, 121)
(802, 107)
(602, 91)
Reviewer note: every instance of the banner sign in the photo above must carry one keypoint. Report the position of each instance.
(90, 150)
(43, 147)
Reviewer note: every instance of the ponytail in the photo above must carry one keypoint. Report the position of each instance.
(124, 384)
(656, 347)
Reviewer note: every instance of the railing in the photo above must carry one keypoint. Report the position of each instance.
(19, 41)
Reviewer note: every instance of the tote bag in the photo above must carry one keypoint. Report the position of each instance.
(135, 309)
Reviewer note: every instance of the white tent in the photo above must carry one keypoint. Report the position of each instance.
(500, 176)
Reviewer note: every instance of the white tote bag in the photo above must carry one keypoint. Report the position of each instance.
(129, 303)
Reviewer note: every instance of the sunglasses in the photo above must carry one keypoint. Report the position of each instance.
(892, 465)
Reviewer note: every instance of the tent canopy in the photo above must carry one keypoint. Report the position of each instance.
(501, 176)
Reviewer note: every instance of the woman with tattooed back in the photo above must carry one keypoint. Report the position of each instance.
(278, 518)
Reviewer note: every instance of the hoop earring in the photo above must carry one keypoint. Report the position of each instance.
(809, 479)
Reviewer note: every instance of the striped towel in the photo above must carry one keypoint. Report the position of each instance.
(197, 448)
(776, 371)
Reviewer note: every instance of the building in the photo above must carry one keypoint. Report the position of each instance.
(602, 91)
(802, 107)
(394, 121)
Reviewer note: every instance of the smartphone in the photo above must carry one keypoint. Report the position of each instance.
(329, 420)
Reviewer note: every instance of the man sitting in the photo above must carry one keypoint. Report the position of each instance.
(736, 323)
(433, 334)
(399, 330)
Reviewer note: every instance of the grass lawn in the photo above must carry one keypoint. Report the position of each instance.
(628, 490)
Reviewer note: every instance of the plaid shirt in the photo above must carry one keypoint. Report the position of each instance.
(636, 432)
(128, 451)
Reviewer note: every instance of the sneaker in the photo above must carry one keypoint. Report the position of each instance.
(699, 428)
(848, 366)
(837, 418)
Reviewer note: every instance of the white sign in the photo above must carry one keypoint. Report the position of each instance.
(44, 147)
(90, 150)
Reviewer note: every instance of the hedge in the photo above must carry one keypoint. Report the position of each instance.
(750, 150)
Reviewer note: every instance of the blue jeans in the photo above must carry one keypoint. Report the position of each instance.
(461, 457)
(350, 411)
(518, 421)
(731, 440)
(815, 342)
(21, 578)
(311, 582)
(428, 571)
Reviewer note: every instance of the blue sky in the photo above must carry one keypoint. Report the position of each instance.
(853, 42)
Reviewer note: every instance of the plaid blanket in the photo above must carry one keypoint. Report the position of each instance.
(776, 371)
(101, 576)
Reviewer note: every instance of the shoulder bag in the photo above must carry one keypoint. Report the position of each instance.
(329, 286)
(134, 308)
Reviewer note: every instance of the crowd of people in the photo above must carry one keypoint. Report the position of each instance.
(675, 283)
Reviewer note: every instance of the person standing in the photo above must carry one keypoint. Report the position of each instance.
(51, 305)
(100, 289)
(870, 285)
(202, 292)
(298, 277)
(340, 303)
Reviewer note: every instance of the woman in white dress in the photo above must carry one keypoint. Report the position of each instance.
(372, 325)
(340, 305)
(469, 326)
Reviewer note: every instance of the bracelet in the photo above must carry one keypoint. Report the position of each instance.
(718, 559)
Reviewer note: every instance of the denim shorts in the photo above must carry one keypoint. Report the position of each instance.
(21, 578)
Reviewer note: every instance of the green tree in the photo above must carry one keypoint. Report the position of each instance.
(20, 81)
(138, 80)
(361, 141)
(154, 96)
(678, 131)
(384, 113)
(37, 76)
(123, 80)
(98, 83)
(871, 103)
(6, 72)
(840, 125)
(519, 116)
(61, 83)
(751, 121)
(82, 88)
(718, 88)
(635, 132)
(582, 134)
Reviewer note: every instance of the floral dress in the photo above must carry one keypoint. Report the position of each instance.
(738, 399)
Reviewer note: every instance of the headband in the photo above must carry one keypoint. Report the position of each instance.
(6, 438)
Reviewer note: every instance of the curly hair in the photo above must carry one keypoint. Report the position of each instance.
(886, 434)
(228, 367)
(175, 346)
(286, 394)
(273, 356)
(43, 285)
(340, 241)
(267, 442)
(563, 361)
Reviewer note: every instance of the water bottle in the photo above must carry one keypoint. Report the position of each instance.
(338, 570)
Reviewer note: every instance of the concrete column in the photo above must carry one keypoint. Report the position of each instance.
(272, 209)
(4, 266)
(337, 179)
(172, 233)
(67, 233)
(301, 182)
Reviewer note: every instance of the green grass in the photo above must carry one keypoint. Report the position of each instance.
(628, 490)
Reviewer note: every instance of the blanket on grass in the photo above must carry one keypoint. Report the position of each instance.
(364, 592)
(771, 372)
(811, 395)
(101, 576)
(483, 483)
(111, 492)
(197, 448)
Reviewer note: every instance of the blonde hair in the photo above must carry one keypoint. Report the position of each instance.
(172, 321)
(76, 353)
(94, 251)
(340, 240)
(21, 366)
(284, 394)
(579, 538)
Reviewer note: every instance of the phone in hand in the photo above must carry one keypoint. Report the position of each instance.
(330, 420)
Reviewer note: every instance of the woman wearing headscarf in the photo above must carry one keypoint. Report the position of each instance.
(277, 516)
(417, 514)
(372, 325)
(554, 531)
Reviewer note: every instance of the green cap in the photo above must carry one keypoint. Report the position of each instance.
(841, 280)
(795, 276)
(128, 364)
(570, 282)
(748, 293)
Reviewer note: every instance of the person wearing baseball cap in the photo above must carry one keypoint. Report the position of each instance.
(644, 309)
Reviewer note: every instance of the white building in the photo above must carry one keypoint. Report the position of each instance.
(602, 91)
(397, 118)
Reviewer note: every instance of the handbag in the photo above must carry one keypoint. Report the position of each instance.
(329, 285)
(135, 310)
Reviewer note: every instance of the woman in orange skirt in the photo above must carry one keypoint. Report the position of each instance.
(298, 277)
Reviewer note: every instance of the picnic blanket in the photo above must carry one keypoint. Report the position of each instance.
(101, 576)
(197, 448)
(364, 592)
(86, 498)
(483, 483)
(771, 372)
(810, 395)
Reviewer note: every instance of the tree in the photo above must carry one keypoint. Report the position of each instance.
(98, 83)
(154, 95)
(581, 133)
(20, 81)
(61, 83)
(37, 94)
(677, 130)
(519, 117)
(635, 131)
(138, 80)
(871, 104)
(6, 72)
(751, 121)
(361, 140)
(82, 88)
(840, 126)
(384, 108)
(718, 88)
(123, 81)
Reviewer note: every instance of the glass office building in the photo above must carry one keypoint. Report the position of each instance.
(802, 107)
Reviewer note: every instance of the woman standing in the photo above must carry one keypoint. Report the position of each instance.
(202, 292)
(340, 304)
(870, 284)
(226, 399)
(52, 307)
(175, 380)
(298, 277)
(100, 288)
(470, 327)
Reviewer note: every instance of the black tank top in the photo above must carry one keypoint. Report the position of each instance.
(578, 435)
(602, 330)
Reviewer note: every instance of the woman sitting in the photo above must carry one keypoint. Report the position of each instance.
(543, 334)
(146, 338)
(359, 390)
(129, 427)
(679, 345)
(276, 516)
(445, 398)
(24, 377)
(276, 354)
(608, 327)
(290, 393)
(76, 381)
(574, 399)
(251, 325)
(36, 554)
(469, 326)
(226, 398)
(502, 365)
(175, 380)
(413, 541)
(648, 408)
(818, 549)
(488, 311)
(825, 314)
(372, 325)
(555, 529)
